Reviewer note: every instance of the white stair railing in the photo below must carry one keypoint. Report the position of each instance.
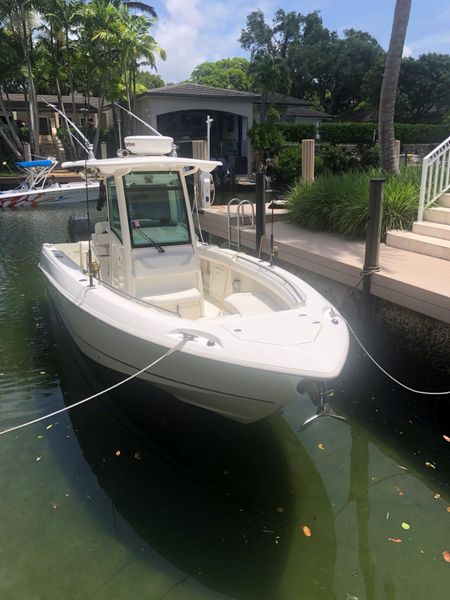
(435, 176)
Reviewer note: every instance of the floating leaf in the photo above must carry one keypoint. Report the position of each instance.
(395, 540)
(306, 531)
(406, 525)
(448, 509)
(446, 556)
(321, 446)
(446, 438)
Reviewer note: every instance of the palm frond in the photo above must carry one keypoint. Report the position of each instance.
(145, 8)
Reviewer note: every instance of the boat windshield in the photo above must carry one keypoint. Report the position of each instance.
(156, 209)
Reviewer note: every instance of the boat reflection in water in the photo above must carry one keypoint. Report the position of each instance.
(217, 499)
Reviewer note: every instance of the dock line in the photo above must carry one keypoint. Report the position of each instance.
(388, 374)
(176, 348)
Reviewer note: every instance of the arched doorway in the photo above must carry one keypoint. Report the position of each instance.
(228, 135)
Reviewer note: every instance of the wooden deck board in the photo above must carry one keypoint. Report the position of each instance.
(415, 281)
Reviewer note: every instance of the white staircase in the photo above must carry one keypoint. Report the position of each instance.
(431, 232)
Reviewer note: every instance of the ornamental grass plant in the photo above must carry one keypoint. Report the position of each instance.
(339, 202)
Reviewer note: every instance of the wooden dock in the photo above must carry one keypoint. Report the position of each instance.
(415, 281)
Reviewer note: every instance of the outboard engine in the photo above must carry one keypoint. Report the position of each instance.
(79, 228)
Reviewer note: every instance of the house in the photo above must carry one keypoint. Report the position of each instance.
(294, 110)
(181, 110)
(49, 121)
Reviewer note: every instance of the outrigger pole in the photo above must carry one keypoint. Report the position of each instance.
(87, 146)
(154, 131)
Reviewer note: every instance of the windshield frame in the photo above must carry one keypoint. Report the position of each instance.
(180, 203)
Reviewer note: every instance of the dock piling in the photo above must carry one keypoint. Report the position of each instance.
(373, 238)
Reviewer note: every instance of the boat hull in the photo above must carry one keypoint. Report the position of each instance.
(240, 393)
(244, 368)
(61, 194)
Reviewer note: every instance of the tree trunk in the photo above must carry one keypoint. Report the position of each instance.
(388, 157)
(33, 102)
(13, 141)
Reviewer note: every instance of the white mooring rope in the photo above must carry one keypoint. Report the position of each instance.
(388, 374)
(66, 408)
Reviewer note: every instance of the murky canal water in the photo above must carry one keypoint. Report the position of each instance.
(168, 502)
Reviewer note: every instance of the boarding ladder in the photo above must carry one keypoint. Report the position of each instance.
(240, 220)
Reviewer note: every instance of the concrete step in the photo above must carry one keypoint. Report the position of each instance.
(422, 244)
(436, 230)
(444, 200)
(437, 214)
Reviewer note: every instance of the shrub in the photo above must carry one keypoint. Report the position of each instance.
(337, 159)
(266, 138)
(369, 156)
(288, 165)
(339, 203)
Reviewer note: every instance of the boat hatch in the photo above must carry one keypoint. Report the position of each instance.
(278, 329)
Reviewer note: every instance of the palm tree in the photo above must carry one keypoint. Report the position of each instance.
(388, 158)
(9, 59)
(19, 16)
(139, 49)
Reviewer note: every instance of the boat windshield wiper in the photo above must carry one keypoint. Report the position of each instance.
(149, 239)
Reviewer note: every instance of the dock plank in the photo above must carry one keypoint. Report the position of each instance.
(415, 281)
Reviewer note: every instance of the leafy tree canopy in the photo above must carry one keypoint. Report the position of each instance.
(149, 80)
(229, 73)
(323, 67)
(424, 89)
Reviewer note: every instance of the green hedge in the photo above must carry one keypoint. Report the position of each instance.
(363, 133)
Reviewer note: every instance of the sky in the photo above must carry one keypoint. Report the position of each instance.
(195, 31)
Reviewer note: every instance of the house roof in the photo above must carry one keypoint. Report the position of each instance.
(299, 111)
(17, 101)
(276, 98)
(206, 91)
(197, 90)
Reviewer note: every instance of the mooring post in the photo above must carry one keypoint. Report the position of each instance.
(308, 152)
(260, 209)
(373, 238)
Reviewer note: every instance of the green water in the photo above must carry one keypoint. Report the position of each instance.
(136, 496)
